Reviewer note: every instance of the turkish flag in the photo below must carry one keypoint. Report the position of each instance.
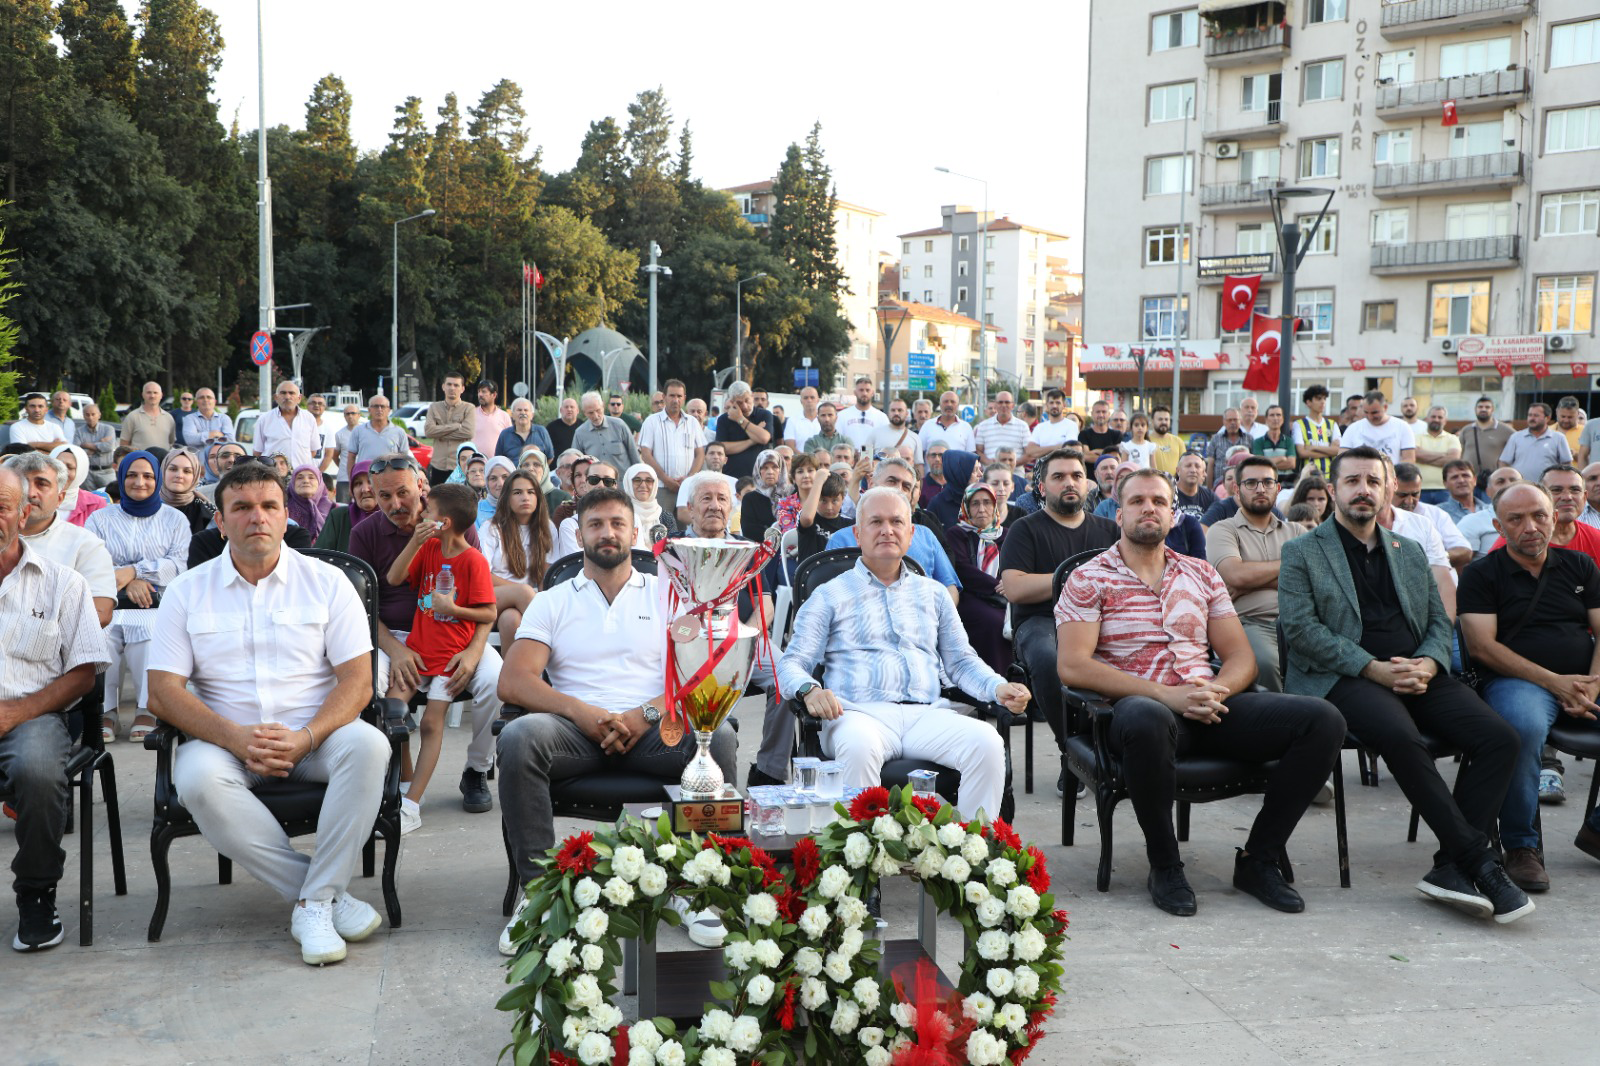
(1424, 366)
(1238, 301)
(1504, 366)
(1541, 370)
(1463, 366)
(1111, 350)
(1266, 349)
(1449, 114)
(1580, 369)
(1358, 364)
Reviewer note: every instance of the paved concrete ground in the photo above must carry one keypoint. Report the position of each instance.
(1373, 974)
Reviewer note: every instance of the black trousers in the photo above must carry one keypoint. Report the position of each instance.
(1303, 733)
(1453, 713)
(437, 476)
(1035, 641)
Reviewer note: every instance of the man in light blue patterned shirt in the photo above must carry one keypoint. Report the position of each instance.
(882, 633)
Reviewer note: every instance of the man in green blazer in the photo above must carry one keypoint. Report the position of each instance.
(1366, 631)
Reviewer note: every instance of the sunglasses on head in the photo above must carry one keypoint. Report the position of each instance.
(596, 479)
(403, 462)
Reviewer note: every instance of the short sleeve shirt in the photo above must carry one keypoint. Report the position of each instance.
(608, 655)
(957, 435)
(994, 434)
(1048, 434)
(1038, 544)
(1162, 637)
(1533, 455)
(1391, 438)
(436, 639)
(1433, 476)
(1556, 636)
(1236, 538)
(744, 464)
(858, 425)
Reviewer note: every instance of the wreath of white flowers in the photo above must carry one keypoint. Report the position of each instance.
(800, 952)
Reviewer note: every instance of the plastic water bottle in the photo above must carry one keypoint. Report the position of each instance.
(445, 583)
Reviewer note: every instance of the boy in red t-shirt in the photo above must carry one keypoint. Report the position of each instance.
(444, 625)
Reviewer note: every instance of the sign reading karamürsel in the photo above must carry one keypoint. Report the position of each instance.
(1487, 351)
(1220, 266)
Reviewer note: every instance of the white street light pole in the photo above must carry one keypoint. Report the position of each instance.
(983, 289)
(266, 316)
(738, 324)
(655, 270)
(394, 317)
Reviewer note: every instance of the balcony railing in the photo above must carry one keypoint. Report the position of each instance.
(1473, 92)
(1434, 256)
(1245, 46)
(1412, 18)
(1492, 170)
(1238, 195)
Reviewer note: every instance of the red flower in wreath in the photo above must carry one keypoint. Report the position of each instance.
(786, 1012)
(1038, 873)
(807, 862)
(1006, 835)
(576, 856)
(870, 804)
(792, 904)
(928, 805)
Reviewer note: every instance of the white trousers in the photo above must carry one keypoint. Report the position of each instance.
(129, 655)
(215, 786)
(485, 689)
(869, 734)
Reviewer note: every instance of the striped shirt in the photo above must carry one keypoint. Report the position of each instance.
(993, 434)
(1162, 638)
(883, 643)
(47, 626)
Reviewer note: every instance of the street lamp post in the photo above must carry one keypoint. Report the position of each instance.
(655, 270)
(983, 287)
(394, 318)
(890, 335)
(1292, 246)
(738, 323)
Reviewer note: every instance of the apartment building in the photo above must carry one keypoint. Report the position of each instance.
(1460, 140)
(859, 255)
(941, 267)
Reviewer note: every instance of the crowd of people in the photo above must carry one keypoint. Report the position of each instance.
(1411, 557)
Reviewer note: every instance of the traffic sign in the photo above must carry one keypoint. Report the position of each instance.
(261, 348)
(920, 361)
(811, 376)
(920, 382)
(968, 412)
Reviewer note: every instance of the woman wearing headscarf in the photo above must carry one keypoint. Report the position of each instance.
(76, 505)
(535, 462)
(180, 473)
(958, 468)
(458, 476)
(519, 542)
(759, 508)
(149, 546)
(309, 502)
(345, 517)
(640, 484)
(975, 541)
(494, 481)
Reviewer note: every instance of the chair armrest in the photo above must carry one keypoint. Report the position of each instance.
(391, 717)
(1099, 710)
(509, 712)
(162, 737)
(163, 740)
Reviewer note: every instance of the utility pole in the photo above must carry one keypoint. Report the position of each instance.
(656, 270)
(1179, 316)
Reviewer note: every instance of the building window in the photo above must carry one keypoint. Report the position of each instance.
(1570, 214)
(988, 265)
(1474, 57)
(1167, 174)
(962, 242)
(905, 247)
(1459, 308)
(1262, 92)
(1319, 158)
(927, 296)
(927, 246)
(1391, 146)
(1326, 240)
(1397, 68)
(988, 243)
(1572, 129)
(1314, 308)
(1169, 103)
(988, 294)
(1464, 222)
(1476, 138)
(988, 318)
(1326, 11)
(1032, 321)
(961, 269)
(1161, 245)
(1377, 317)
(1391, 225)
(1259, 164)
(1566, 305)
(1575, 43)
(1176, 29)
(961, 294)
(1263, 307)
(1325, 80)
(905, 271)
(905, 294)
(1253, 238)
(1161, 316)
(927, 270)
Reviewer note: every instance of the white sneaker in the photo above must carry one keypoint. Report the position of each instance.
(410, 815)
(1324, 795)
(312, 928)
(508, 946)
(705, 927)
(354, 920)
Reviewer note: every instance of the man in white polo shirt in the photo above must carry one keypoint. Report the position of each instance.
(276, 647)
(860, 422)
(54, 538)
(588, 665)
(1002, 431)
(802, 427)
(1054, 431)
(673, 443)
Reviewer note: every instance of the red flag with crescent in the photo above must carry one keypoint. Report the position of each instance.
(1358, 364)
(1238, 301)
(1541, 370)
(1425, 366)
(1463, 366)
(1580, 369)
(1449, 117)
(1504, 366)
(1266, 348)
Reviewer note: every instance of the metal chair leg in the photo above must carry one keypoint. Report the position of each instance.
(160, 841)
(108, 788)
(86, 859)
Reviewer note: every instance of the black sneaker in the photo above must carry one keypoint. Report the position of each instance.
(1447, 884)
(1509, 901)
(1170, 890)
(1263, 879)
(38, 925)
(475, 796)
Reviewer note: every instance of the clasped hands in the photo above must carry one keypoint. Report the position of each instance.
(1402, 676)
(1200, 700)
(272, 749)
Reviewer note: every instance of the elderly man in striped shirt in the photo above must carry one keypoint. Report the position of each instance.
(882, 633)
(1138, 624)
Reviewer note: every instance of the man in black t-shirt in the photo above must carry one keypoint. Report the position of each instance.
(744, 430)
(1528, 615)
(1192, 497)
(1099, 437)
(1033, 548)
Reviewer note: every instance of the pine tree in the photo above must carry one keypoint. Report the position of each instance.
(28, 100)
(822, 203)
(685, 170)
(100, 49)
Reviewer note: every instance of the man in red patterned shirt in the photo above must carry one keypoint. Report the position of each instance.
(1139, 624)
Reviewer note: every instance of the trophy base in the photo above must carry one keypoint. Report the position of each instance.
(720, 813)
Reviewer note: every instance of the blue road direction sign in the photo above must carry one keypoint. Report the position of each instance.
(808, 375)
(261, 348)
(919, 371)
(968, 412)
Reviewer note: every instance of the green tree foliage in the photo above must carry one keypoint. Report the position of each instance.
(107, 402)
(8, 337)
(802, 229)
(100, 48)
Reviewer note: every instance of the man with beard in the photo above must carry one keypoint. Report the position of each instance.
(587, 665)
(1537, 447)
(1565, 486)
(1054, 431)
(1246, 550)
(888, 440)
(1408, 412)
(933, 480)
(1436, 447)
(827, 437)
(1223, 442)
(859, 422)
(1408, 495)
(1169, 446)
(1483, 440)
(1367, 630)
(1528, 617)
(1193, 497)
(1033, 549)
(1139, 624)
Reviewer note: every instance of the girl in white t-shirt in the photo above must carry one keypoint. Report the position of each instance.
(519, 543)
(1138, 449)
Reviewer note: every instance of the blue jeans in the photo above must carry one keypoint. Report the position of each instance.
(1531, 711)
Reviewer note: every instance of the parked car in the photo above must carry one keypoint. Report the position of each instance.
(244, 425)
(409, 412)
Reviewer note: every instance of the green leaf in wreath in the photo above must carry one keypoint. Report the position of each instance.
(723, 990)
(601, 848)
(624, 927)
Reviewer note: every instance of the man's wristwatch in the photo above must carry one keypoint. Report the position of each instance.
(652, 715)
(806, 689)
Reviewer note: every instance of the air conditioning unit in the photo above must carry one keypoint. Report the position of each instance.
(1448, 346)
(1227, 149)
(1558, 342)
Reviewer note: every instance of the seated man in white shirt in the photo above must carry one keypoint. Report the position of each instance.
(276, 647)
(883, 634)
(589, 665)
(58, 540)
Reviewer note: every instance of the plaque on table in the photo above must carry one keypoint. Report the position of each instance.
(722, 814)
